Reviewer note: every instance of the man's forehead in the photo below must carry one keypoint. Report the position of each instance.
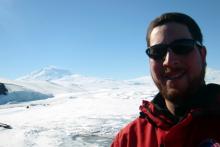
(169, 32)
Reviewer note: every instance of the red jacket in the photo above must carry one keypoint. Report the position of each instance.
(156, 127)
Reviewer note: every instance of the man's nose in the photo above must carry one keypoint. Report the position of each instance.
(170, 59)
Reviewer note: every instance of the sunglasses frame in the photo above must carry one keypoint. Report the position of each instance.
(163, 48)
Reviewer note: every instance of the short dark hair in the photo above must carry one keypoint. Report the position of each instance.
(178, 18)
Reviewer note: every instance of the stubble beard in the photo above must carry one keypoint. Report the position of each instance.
(180, 96)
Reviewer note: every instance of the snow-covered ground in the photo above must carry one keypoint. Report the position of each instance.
(67, 110)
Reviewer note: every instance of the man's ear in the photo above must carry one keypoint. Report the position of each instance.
(203, 54)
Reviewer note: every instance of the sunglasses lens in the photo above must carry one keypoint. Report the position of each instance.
(157, 52)
(183, 47)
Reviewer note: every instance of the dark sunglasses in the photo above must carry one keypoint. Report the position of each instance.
(179, 47)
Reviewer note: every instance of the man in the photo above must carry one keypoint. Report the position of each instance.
(186, 111)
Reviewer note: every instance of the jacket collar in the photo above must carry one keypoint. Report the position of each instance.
(205, 102)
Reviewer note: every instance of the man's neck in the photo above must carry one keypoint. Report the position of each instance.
(175, 110)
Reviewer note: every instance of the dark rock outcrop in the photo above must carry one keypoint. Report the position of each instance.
(3, 89)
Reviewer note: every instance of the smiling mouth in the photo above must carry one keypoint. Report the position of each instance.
(174, 74)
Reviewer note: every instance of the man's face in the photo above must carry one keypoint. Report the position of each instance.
(176, 76)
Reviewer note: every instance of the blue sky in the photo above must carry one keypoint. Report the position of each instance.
(103, 38)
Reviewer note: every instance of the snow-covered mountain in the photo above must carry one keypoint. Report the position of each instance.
(46, 74)
(52, 81)
(66, 77)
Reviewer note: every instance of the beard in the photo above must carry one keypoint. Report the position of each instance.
(182, 96)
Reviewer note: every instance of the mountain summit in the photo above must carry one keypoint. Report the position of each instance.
(50, 73)
(46, 74)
